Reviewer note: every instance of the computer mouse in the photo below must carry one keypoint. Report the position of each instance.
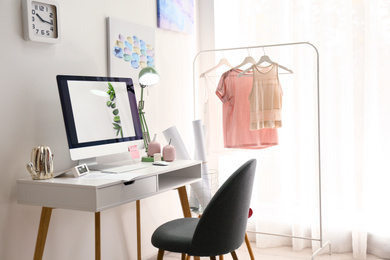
(161, 163)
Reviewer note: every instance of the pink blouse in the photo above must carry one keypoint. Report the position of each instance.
(234, 92)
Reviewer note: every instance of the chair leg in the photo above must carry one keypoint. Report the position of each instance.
(188, 257)
(221, 257)
(234, 255)
(213, 258)
(248, 245)
(160, 254)
(183, 256)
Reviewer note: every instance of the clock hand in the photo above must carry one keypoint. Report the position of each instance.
(40, 18)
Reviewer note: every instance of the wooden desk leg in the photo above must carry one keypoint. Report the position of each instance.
(138, 213)
(97, 236)
(185, 205)
(42, 232)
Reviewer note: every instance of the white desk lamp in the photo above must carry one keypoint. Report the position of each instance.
(146, 77)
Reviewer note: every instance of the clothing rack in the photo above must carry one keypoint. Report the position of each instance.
(320, 239)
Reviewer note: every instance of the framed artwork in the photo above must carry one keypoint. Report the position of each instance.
(130, 48)
(176, 15)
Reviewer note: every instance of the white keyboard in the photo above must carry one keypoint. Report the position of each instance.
(124, 168)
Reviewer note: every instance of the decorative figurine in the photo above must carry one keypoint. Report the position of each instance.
(41, 165)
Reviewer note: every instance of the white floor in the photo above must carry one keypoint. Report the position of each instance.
(280, 253)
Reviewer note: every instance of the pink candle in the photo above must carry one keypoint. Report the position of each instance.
(169, 152)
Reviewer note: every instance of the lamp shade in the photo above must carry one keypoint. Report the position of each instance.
(148, 76)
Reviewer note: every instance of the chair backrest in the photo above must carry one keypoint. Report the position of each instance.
(221, 229)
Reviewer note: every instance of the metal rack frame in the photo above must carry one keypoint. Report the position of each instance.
(320, 239)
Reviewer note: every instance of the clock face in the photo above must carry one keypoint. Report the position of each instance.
(43, 20)
(82, 169)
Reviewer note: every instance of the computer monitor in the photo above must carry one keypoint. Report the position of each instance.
(100, 115)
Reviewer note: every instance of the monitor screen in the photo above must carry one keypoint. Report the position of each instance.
(100, 116)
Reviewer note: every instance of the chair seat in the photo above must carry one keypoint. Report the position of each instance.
(175, 235)
(221, 229)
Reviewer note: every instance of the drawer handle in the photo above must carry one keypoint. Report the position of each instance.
(128, 183)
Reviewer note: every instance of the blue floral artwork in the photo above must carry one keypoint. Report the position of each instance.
(176, 15)
(131, 48)
(134, 50)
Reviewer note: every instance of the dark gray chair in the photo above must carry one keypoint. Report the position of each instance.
(220, 230)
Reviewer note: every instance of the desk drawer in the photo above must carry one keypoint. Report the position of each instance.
(123, 193)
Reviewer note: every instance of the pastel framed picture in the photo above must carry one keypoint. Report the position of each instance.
(176, 15)
(131, 47)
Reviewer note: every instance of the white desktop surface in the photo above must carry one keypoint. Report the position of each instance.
(98, 191)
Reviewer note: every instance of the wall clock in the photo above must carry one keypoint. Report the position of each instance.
(41, 21)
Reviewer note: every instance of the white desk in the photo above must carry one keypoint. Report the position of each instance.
(99, 194)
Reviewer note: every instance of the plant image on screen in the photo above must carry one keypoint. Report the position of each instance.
(111, 103)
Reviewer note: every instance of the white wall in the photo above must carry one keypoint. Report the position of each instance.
(31, 115)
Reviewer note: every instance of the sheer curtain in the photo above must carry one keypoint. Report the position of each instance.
(353, 39)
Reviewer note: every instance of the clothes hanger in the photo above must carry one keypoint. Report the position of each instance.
(222, 62)
(263, 59)
(248, 59)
